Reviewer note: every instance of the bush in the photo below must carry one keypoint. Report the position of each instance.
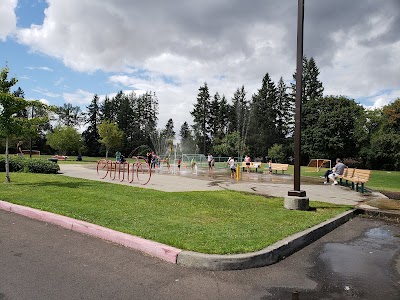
(34, 165)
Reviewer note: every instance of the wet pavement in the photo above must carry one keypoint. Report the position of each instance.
(366, 267)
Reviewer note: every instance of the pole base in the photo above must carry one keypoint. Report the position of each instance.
(296, 203)
(297, 193)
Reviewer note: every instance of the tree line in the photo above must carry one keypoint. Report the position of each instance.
(260, 125)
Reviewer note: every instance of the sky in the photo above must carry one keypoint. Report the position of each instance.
(67, 51)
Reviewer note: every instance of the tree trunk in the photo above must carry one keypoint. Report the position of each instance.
(7, 163)
(106, 153)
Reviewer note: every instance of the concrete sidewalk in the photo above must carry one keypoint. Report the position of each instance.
(270, 185)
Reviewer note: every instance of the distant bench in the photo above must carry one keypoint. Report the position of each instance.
(278, 167)
(356, 177)
(253, 165)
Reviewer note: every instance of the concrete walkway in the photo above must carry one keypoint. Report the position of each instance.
(274, 185)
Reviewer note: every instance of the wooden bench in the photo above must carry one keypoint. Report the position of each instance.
(356, 177)
(253, 165)
(278, 167)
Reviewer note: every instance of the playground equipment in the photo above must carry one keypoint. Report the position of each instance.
(318, 164)
(139, 168)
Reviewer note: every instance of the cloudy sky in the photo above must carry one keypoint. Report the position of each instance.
(67, 51)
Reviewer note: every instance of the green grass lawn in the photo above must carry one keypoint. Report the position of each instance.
(211, 222)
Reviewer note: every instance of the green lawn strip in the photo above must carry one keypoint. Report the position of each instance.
(211, 222)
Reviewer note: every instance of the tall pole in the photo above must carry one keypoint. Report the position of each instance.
(297, 117)
(30, 139)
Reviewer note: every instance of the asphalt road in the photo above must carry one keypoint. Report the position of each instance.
(359, 260)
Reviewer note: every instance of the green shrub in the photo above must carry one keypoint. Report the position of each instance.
(34, 165)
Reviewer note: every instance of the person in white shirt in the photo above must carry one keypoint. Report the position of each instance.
(232, 166)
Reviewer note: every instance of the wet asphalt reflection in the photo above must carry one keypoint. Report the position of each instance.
(367, 267)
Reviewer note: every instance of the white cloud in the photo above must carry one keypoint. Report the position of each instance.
(173, 47)
(8, 19)
(44, 101)
(384, 98)
(40, 68)
(80, 97)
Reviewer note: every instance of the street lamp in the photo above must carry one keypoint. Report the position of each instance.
(296, 198)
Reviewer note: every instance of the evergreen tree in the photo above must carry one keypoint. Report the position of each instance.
(91, 135)
(69, 115)
(312, 90)
(215, 125)
(264, 115)
(201, 117)
(124, 117)
(5, 84)
(19, 93)
(169, 132)
(239, 117)
(285, 109)
(187, 141)
(106, 110)
(223, 117)
(312, 93)
(148, 115)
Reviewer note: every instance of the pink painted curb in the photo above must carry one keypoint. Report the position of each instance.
(164, 252)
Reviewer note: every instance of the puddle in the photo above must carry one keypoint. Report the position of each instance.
(367, 267)
(363, 267)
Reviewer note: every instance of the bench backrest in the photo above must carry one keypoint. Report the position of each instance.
(361, 174)
(276, 166)
(348, 172)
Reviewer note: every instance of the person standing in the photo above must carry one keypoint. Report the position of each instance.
(247, 161)
(149, 157)
(19, 149)
(118, 156)
(210, 161)
(232, 166)
(270, 166)
(193, 163)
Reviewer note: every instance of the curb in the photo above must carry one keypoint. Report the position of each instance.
(164, 252)
(267, 256)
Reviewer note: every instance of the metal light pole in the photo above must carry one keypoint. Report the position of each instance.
(297, 198)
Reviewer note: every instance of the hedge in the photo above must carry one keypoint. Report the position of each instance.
(34, 165)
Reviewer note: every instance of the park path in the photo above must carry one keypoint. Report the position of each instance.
(274, 185)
